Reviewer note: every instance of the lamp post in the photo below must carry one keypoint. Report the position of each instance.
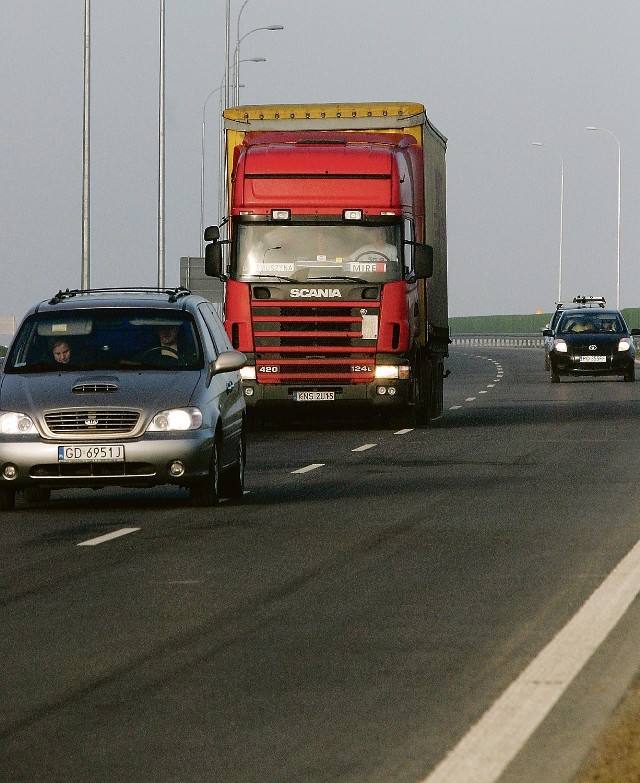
(86, 149)
(204, 109)
(236, 56)
(161, 151)
(611, 133)
(541, 144)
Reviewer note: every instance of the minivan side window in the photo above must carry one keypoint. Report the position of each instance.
(215, 328)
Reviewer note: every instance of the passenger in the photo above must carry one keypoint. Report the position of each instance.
(61, 351)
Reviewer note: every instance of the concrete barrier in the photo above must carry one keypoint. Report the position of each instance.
(498, 340)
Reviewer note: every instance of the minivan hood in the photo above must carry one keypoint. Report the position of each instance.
(147, 390)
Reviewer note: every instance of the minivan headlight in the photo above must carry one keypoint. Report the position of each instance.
(12, 423)
(176, 420)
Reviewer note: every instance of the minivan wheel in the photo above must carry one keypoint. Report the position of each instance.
(36, 494)
(206, 493)
(7, 498)
(232, 480)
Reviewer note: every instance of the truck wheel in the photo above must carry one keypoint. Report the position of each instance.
(206, 493)
(232, 480)
(437, 393)
(7, 498)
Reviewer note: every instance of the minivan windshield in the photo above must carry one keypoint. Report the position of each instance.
(104, 339)
(318, 252)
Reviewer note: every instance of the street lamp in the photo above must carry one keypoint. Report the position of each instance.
(236, 56)
(86, 150)
(202, 151)
(611, 133)
(541, 144)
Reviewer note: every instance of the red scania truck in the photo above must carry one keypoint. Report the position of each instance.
(336, 275)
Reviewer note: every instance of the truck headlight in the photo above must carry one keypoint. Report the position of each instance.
(176, 420)
(388, 372)
(12, 423)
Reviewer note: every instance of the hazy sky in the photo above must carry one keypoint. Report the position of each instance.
(494, 75)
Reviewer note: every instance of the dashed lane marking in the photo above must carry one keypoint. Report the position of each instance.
(109, 536)
(309, 468)
(366, 447)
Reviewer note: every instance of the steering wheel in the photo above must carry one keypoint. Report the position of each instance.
(377, 253)
(161, 351)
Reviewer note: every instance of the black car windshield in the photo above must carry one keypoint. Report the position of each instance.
(591, 323)
(105, 338)
(302, 253)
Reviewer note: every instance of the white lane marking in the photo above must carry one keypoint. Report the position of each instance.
(484, 391)
(455, 407)
(490, 746)
(490, 385)
(404, 432)
(470, 399)
(314, 466)
(109, 536)
(365, 447)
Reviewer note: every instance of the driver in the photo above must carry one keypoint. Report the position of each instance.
(377, 248)
(168, 336)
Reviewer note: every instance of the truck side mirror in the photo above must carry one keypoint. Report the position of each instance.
(423, 260)
(211, 234)
(213, 259)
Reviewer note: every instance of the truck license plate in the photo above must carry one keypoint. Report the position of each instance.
(593, 359)
(111, 453)
(314, 396)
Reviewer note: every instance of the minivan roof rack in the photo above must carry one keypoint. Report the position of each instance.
(173, 294)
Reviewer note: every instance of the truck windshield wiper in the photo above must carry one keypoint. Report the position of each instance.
(274, 277)
(339, 277)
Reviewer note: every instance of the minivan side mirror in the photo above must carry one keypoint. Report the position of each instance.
(227, 361)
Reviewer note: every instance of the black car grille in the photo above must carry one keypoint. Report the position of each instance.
(87, 421)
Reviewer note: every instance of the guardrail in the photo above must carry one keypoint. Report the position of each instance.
(498, 340)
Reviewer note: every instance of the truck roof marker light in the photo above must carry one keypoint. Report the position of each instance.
(280, 214)
(352, 214)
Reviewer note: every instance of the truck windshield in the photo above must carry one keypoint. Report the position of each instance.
(318, 252)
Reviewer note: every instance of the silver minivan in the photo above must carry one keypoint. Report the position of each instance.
(122, 387)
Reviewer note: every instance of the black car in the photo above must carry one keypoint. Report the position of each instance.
(592, 342)
(561, 307)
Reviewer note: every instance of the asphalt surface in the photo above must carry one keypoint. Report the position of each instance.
(347, 623)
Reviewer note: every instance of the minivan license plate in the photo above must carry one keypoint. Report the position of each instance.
(314, 396)
(111, 453)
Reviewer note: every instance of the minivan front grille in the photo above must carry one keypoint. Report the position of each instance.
(87, 421)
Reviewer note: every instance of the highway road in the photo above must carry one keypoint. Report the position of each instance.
(449, 603)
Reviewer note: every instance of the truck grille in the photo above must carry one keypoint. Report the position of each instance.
(77, 422)
(313, 342)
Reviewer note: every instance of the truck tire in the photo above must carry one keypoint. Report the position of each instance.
(437, 394)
